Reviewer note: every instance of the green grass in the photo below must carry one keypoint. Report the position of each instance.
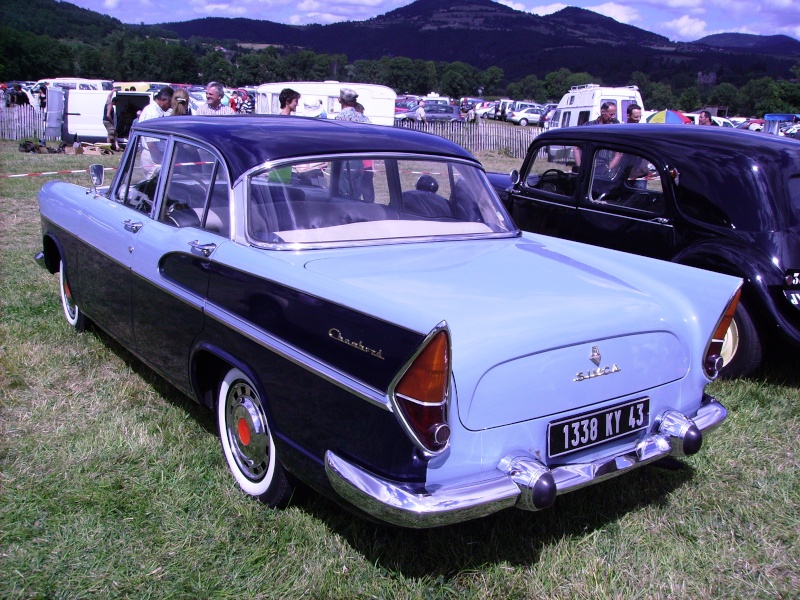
(112, 485)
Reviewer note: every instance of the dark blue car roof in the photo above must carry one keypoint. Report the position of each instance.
(247, 141)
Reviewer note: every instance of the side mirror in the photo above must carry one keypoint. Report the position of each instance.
(514, 177)
(96, 172)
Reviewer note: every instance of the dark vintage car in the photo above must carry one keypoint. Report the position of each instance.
(358, 309)
(711, 197)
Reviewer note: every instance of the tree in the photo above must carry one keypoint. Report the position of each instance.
(215, 67)
(689, 99)
(531, 88)
(725, 94)
(490, 80)
(659, 97)
(458, 79)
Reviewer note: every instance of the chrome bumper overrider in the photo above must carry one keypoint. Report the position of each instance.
(519, 480)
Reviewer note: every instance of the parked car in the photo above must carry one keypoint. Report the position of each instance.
(434, 112)
(358, 309)
(486, 111)
(544, 120)
(712, 197)
(526, 116)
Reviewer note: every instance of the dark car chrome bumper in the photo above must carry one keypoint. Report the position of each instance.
(519, 480)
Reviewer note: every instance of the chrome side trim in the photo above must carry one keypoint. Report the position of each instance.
(418, 505)
(298, 357)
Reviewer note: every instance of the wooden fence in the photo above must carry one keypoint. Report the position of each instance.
(28, 123)
(24, 122)
(510, 140)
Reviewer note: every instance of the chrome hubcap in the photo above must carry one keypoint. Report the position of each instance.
(247, 430)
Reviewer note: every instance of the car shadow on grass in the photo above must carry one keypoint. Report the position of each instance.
(511, 536)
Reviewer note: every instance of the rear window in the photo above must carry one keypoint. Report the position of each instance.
(732, 192)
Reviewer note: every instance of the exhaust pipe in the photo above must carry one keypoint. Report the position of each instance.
(684, 437)
(535, 481)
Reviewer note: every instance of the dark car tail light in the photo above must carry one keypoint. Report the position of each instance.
(712, 363)
(420, 394)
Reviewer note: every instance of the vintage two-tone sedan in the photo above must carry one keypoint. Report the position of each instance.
(363, 316)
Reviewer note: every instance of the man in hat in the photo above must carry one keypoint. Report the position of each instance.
(348, 98)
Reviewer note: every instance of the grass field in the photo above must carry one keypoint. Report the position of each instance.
(112, 485)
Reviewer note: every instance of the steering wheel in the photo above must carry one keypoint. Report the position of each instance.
(550, 186)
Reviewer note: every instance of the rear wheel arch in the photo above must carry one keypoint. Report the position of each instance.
(743, 347)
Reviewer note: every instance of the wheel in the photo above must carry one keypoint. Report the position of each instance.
(523, 122)
(72, 313)
(741, 350)
(247, 441)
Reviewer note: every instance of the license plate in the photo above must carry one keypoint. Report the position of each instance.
(597, 427)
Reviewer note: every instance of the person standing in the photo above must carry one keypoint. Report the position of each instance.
(153, 150)
(215, 92)
(288, 99)
(634, 113)
(110, 121)
(608, 115)
(419, 114)
(160, 106)
(348, 98)
(705, 118)
(180, 103)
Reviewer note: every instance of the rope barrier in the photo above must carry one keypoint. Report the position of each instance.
(54, 173)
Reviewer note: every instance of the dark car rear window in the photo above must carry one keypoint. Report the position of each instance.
(737, 194)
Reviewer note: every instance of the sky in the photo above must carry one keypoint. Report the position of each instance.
(678, 20)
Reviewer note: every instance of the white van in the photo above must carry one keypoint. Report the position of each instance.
(77, 83)
(76, 115)
(582, 104)
(378, 100)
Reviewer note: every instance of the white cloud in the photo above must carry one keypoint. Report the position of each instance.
(547, 9)
(308, 5)
(219, 10)
(110, 4)
(687, 28)
(618, 12)
(511, 4)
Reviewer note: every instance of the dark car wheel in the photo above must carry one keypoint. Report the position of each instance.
(72, 312)
(741, 350)
(247, 441)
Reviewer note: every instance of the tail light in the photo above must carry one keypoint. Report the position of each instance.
(421, 392)
(712, 363)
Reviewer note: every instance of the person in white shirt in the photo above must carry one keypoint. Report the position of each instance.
(215, 92)
(161, 106)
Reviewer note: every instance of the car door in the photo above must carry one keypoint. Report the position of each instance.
(545, 199)
(173, 253)
(624, 203)
(111, 231)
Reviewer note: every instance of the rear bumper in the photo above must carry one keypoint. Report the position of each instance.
(518, 480)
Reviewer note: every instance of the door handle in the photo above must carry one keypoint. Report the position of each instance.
(204, 249)
(133, 226)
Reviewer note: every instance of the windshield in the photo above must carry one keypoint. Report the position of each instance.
(359, 199)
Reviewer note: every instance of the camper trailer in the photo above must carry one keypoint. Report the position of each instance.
(321, 99)
(582, 104)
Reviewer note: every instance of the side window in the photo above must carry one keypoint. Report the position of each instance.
(565, 118)
(139, 182)
(625, 181)
(583, 116)
(196, 192)
(551, 171)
